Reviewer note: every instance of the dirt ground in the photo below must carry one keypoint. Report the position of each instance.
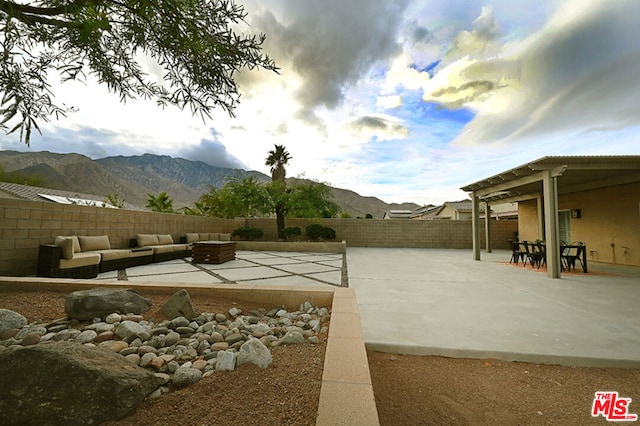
(409, 390)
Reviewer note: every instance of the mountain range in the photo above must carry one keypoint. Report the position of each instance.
(132, 178)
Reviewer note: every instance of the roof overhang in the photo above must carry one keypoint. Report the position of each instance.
(574, 173)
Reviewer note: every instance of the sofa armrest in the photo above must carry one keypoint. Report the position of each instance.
(48, 259)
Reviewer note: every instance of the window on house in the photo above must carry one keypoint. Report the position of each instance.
(564, 225)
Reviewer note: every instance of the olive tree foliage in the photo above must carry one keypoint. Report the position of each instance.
(311, 199)
(193, 41)
(244, 197)
(250, 198)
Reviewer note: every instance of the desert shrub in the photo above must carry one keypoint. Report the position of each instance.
(248, 233)
(292, 231)
(320, 232)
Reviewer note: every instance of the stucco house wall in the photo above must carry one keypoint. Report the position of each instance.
(609, 222)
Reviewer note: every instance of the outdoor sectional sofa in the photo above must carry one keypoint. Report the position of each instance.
(86, 256)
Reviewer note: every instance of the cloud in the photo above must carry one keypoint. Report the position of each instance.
(212, 152)
(382, 128)
(480, 40)
(331, 44)
(578, 72)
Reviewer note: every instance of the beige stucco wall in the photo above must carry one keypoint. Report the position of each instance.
(609, 224)
(24, 225)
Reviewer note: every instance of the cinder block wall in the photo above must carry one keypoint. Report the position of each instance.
(24, 225)
(454, 234)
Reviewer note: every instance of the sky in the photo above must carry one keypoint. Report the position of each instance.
(402, 100)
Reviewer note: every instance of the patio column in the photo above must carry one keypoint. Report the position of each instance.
(550, 194)
(540, 217)
(475, 225)
(487, 226)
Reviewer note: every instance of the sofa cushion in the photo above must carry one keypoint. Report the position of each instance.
(114, 254)
(147, 240)
(80, 259)
(224, 237)
(180, 247)
(162, 249)
(204, 237)
(94, 243)
(76, 243)
(66, 247)
(192, 238)
(165, 239)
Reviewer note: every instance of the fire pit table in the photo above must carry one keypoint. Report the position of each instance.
(213, 251)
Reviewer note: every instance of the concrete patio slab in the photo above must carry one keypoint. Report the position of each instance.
(442, 302)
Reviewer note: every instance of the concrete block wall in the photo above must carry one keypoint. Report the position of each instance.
(24, 225)
(454, 234)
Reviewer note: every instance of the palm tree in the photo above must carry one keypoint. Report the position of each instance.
(277, 159)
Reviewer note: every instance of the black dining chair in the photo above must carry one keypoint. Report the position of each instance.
(516, 253)
(571, 254)
(538, 253)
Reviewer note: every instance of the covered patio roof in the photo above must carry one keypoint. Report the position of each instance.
(544, 179)
(575, 173)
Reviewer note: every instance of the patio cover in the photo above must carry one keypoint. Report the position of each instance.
(544, 179)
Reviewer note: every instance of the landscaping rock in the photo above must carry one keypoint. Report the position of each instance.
(179, 305)
(254, 352)
(100, 302)
(37, 381)
(185, 376)
(11, 320)
(226, 361)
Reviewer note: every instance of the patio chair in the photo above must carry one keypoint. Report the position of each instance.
(570, 255)
(525, 247)
(516, 253)
(538, 253)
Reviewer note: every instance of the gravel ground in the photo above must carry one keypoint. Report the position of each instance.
(409, 390)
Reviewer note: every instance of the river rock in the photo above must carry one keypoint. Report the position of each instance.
(185, 376)
(254, 352)
(226, 361)
(11, 320)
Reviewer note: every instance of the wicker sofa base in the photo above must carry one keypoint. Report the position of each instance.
(129, 262)
(172, 255)
(82, 272)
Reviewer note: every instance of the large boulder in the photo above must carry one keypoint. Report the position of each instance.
(100, 302)
(67, 383)
(179, 305)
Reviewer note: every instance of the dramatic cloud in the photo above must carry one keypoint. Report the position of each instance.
(331, 44)
(212, 152)
(381, 128)
(579, 72)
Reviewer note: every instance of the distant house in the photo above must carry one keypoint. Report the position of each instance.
(33, 193)
(590, 199)
(425, 212)
(397, 214)
(453, 210)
